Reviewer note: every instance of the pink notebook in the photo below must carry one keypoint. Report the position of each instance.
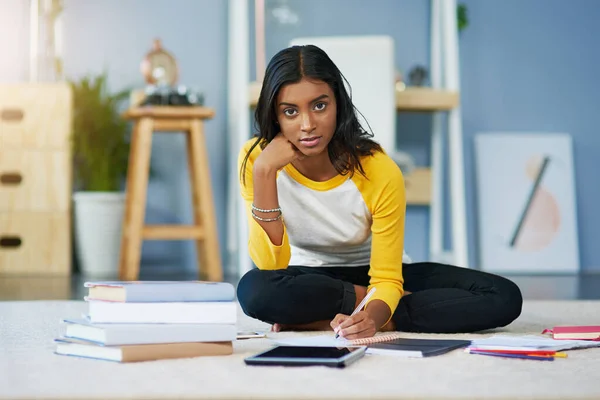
(590, 332)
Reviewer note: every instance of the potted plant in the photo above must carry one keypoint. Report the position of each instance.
(100, 148)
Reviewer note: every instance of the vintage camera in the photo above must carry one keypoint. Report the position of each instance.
(169, 96)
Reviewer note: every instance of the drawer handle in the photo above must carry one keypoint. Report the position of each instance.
(11, 115)
(11, 178)
(10, 241)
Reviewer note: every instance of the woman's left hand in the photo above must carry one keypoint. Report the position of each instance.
(360, 325)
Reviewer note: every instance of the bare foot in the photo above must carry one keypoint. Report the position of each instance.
(313, 326)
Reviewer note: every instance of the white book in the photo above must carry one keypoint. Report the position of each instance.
(224, 312)
(128, 334)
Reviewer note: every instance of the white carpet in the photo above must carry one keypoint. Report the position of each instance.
(29, 369)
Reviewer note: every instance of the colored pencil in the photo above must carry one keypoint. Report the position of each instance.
(512, 355)
(528, 352)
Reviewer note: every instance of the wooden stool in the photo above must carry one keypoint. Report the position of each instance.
(147, 120)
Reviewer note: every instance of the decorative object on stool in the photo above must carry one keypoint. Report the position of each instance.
(159, 67)
(161, 96)
(161, 73)
(100, 155)
(418, 76)
(527, 204)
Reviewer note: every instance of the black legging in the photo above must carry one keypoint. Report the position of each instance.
(444, 299)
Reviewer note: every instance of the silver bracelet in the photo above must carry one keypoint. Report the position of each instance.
(266, 219)
(265, 211)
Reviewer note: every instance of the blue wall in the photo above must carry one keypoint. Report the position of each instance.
(525, 65)
(534, 65)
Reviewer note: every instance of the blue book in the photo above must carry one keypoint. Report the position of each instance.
(160, 291)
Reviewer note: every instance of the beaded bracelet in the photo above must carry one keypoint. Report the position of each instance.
(265, 211)
(266, 219)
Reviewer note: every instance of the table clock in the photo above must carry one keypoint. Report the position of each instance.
(161, 73)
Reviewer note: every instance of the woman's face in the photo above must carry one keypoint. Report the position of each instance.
(306, 112)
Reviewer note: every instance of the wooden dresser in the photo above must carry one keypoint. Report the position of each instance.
(35, 179)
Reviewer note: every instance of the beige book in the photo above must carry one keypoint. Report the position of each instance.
(142, 352)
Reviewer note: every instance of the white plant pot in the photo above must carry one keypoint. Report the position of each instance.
(98, 226)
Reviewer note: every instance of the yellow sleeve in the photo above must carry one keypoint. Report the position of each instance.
(384, 194)
(262, 251)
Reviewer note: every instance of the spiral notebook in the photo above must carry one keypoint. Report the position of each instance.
(330, 340)
(389, 344)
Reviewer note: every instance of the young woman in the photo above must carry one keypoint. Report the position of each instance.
(326, 210)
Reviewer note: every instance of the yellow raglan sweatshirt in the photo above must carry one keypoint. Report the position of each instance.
(343, 221)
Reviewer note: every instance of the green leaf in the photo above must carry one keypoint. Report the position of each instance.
(462, 16)
(100, 138)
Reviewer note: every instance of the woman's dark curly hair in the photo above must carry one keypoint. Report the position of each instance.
(350, 141)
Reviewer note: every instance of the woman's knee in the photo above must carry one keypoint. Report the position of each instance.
(251, 292)
(510, 301)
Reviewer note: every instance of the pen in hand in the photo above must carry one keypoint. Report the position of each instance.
(358, 308)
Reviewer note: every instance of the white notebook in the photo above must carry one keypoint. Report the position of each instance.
(530, 342)
(331, 341)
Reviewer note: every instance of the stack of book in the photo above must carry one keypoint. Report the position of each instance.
(152, 320)
(530, 347)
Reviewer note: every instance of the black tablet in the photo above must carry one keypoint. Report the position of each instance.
(339, 357)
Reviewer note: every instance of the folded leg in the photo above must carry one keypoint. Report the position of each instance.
(296, 295)
(447, 299)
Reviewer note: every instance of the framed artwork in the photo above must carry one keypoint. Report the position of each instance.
(527, 214)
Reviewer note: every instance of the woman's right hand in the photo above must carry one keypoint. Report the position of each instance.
(278, 153)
